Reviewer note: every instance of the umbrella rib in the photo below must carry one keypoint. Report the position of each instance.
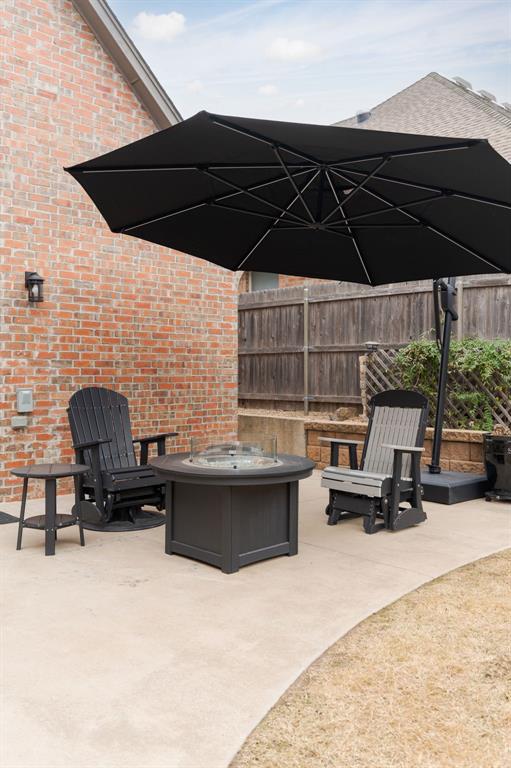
(213, 200)
(367, 178)
(378, 197)
(154, 219)
(261, 184)
(408, 152)
(293, 183)
(321, 190)
(338, 232)
(291, 228)
(464, 247)
(378, 226)
(259, 137)
(259, 166)
(478, 199)
(394, 206)
(255, 197)
(358, 187)
(272, 226)
(433, 188)
(215, 166)
(248, 211)
(353, 238)
(435, 230)
(254, 247)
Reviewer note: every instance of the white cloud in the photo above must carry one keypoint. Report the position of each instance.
(400, 41)
(299, 103)
(159, 26)
(291, 50)
(268, 89)
(195, 86)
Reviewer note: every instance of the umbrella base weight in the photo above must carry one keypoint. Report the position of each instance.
(453, 487)
(498, 495)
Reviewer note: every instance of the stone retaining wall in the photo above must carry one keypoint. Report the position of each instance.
(462, 449)
(288, 430)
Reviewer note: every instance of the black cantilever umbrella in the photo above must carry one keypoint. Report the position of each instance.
(318, 201)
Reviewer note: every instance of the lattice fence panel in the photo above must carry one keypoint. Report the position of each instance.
(381, 374)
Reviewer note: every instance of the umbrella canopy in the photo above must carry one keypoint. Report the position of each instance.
(319, 201)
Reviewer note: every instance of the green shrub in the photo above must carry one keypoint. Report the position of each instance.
(479, 371)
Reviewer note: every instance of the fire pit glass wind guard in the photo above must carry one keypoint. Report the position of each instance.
(234, 454)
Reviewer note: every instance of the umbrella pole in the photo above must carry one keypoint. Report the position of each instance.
(447, 294)
(306, 351)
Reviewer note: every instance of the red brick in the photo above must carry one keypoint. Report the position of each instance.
(155, 324)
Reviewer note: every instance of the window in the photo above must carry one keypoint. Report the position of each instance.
(260, 281)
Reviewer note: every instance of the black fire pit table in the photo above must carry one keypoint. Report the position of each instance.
(232, 504)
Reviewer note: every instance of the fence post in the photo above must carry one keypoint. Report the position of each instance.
(372, 347)
(459, 308)
(362, 371)
(306, 351)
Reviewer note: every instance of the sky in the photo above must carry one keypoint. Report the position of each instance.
(315, 61)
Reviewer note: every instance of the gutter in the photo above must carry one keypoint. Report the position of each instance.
(128, 59)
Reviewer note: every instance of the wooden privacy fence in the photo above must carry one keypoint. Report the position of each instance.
(301, 348)
(378, 374)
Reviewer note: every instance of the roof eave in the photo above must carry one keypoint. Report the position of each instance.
(112, 36)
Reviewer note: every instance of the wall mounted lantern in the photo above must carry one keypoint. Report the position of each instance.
(34, 286)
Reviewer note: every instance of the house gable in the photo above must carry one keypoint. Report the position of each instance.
(118, 45)
(157, 325)
(438, 106)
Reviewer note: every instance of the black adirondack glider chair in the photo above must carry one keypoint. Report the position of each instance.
(389, 473)
(117, 486)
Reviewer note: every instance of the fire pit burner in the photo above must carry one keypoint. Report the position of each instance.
(236, 454)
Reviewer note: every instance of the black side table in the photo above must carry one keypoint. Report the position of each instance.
(50, 522)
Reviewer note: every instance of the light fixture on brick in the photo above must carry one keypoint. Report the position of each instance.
(34, 286)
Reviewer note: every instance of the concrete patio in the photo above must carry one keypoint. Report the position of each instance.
(118, 655)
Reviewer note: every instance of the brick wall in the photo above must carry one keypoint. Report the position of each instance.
(285, 281)
(462, 449)
(157, 325)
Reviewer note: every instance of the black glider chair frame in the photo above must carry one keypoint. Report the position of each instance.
(116, 488)
(389, 473)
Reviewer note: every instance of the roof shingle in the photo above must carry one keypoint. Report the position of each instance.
(437, 106)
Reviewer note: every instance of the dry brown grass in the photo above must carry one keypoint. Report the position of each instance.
(424, 683)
